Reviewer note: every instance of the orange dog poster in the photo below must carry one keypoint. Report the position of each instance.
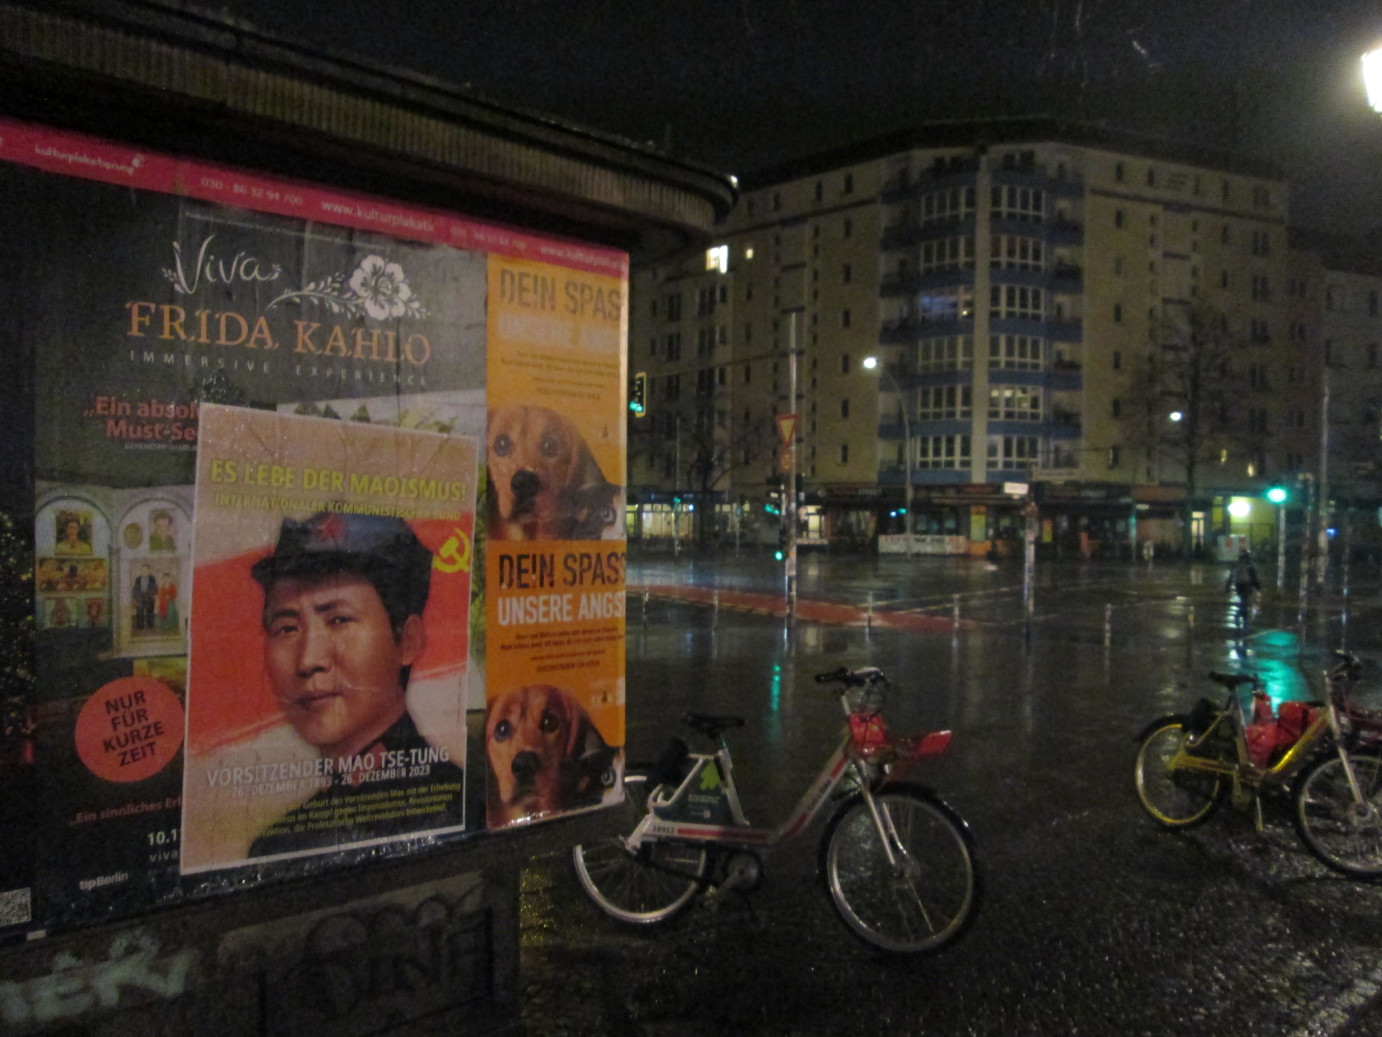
(555, 553)
(326, 685)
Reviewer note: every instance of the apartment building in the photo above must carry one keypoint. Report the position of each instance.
(974, 308)
(1350, 333)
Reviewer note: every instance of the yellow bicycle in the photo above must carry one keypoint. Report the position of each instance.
(1188, 763)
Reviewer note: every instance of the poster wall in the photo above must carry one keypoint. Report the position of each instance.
(262, 413)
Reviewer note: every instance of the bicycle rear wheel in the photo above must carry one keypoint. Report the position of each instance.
(644, 888)
(923, 902)
(1338, 829)
(1175, 798)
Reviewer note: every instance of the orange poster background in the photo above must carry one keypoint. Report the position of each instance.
(557, 355)
(556, 339)
(229, 640)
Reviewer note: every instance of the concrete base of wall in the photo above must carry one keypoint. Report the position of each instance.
(424, 944)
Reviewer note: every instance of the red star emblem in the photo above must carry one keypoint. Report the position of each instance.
(331, 530)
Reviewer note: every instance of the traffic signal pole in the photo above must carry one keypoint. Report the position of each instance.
(789, 477)
(1281, 546)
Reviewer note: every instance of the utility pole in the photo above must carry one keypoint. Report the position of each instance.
(676, 491)
(1322, 489)
(1031, 525)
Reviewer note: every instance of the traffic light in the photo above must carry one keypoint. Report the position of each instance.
(637, 395)
(1278, 495)
(781, 551)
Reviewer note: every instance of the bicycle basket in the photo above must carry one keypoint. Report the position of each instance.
(866, 699)
(869, 733)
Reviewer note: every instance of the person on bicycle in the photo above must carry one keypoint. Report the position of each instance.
(1243, 581)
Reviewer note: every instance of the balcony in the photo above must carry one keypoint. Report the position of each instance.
(943, 173)
(906, 233)
(909, 329)
(1068, 278)
(907, 282)
(1063, 230)
(1065, 424)
(1064, 330)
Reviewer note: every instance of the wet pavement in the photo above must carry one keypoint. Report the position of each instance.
(1094, 920)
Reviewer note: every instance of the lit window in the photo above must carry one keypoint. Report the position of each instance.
(717, 259)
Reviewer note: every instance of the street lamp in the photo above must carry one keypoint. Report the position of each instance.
(870, 363)
(1372, 78)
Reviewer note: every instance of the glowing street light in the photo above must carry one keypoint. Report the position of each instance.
(870, 363)
(1372, 78)
(1176, 415)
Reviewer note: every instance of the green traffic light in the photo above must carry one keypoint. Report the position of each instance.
(778, 555)
(1277, 495)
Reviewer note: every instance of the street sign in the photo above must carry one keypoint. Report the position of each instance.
(784, 459)
(787, 428)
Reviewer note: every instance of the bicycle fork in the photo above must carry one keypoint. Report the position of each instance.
(898, 857)
(1361, 802)
(901, 864)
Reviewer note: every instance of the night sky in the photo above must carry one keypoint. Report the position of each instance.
(743, 84)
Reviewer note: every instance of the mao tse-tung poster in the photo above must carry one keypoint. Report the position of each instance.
(326, 695)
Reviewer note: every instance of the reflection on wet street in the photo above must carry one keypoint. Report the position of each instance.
(1095, 921)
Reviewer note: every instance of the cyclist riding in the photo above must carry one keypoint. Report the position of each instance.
(1243, 581)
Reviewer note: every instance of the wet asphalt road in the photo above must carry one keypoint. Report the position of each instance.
(1094, 920)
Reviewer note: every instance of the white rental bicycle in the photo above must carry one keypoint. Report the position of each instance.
(897, 862)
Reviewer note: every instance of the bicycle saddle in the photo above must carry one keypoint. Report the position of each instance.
(710, 725)
(1232, 681)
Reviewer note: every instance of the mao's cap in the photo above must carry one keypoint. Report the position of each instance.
(381, 548)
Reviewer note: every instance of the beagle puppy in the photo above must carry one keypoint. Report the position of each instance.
(543, 754)
(545, 484)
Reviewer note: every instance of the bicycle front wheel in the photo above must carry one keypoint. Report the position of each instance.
(922, 899)
(1343, 831)
(644, 888)
(1175, 797)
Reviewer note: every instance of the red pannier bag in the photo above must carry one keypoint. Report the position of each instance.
(1292, 719)
(1268, 738)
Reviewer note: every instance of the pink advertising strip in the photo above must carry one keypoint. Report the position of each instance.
(92, 158)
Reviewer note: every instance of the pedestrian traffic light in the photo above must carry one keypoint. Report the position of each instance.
(637, 394)
(1278, 495)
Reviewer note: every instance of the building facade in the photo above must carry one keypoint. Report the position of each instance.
(1349, 457)
(1104, 319)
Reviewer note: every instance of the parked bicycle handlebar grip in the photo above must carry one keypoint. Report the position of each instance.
(834, 675)
(851, 678)
(1350, 664)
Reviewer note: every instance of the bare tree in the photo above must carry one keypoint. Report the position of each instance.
(698, 447)
(1193, 402)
